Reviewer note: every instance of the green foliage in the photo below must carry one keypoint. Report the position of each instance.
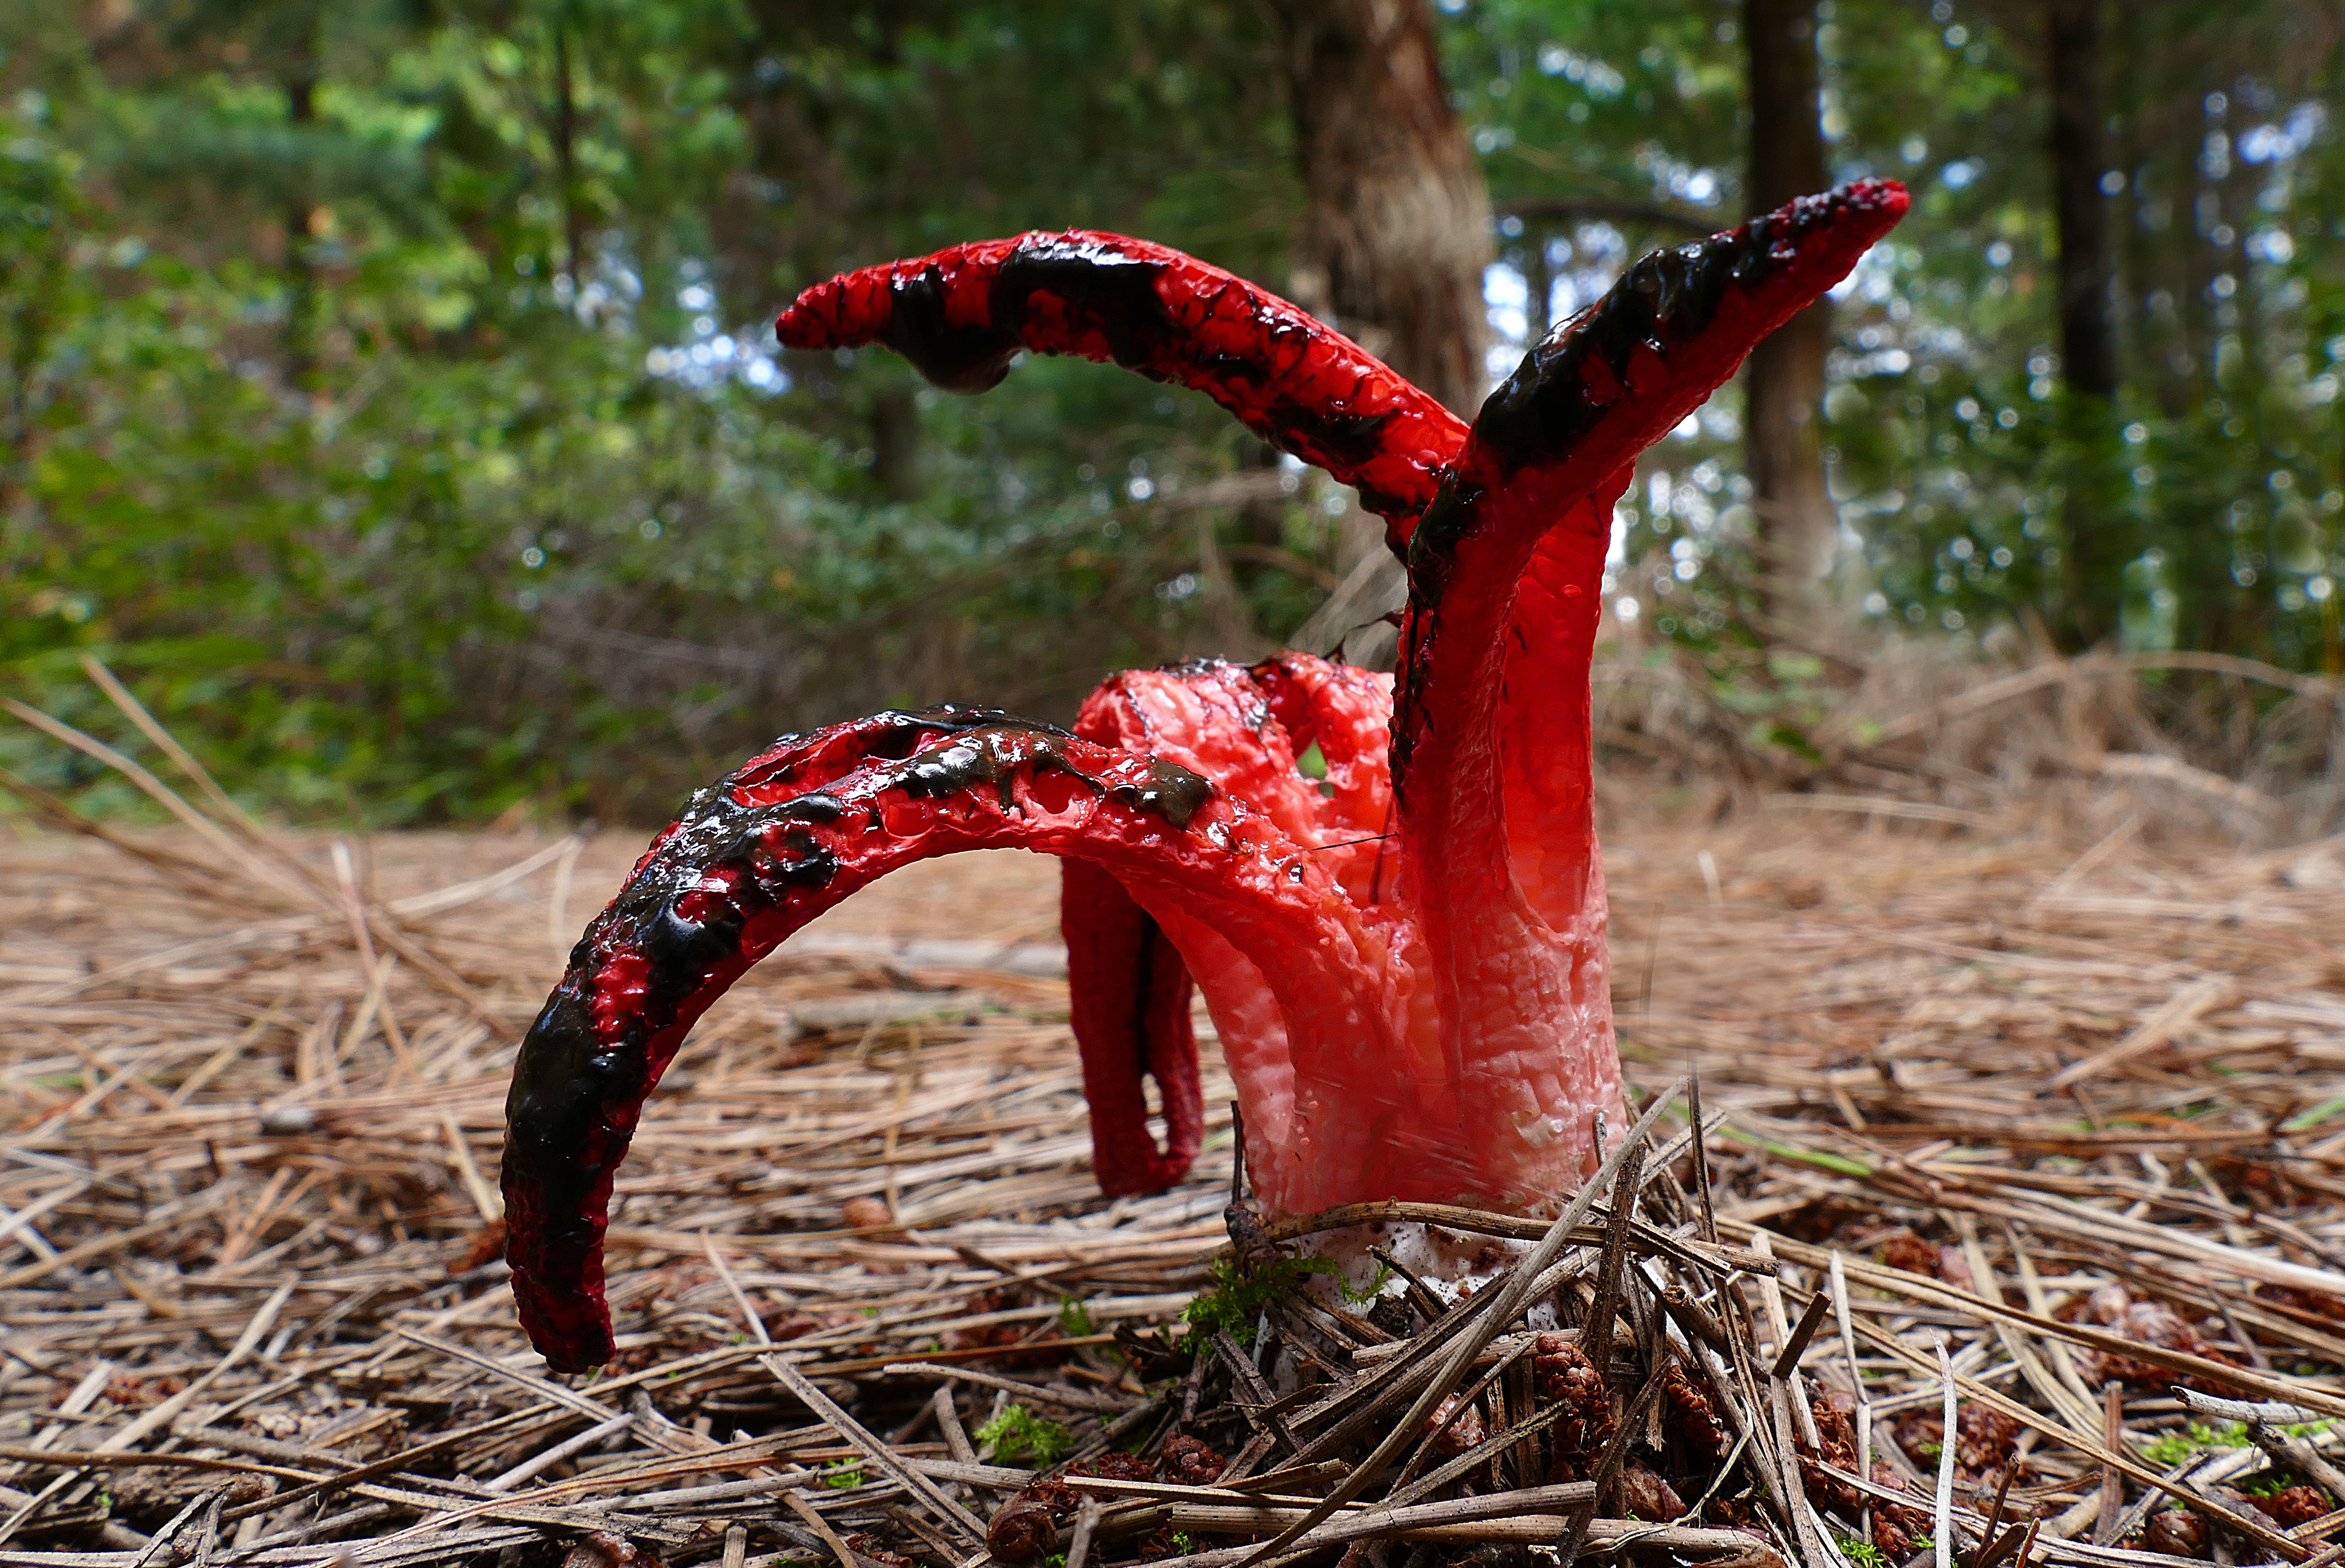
(316, 431)
(1075, 1318)
(314, 427)
(2205, 507)
(2172, 1448)
(1018, 1435)
(845, 1476)
(1368, 1292)
(1237, 1298)
(1864, 1554)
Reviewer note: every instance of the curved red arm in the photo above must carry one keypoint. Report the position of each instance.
(1490, 726)
(1128, 984)
(1570, 422)
(959, 316)
(1346, 713)
(814, 819)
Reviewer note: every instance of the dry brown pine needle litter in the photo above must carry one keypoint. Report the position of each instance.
(2039, 1127)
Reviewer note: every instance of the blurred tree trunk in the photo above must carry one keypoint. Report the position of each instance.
(1394, 241)
(2079, 159)
(300, 264)
(895, 441)
(565, 154)
(1784, 383)
(1399, 223)
(2097, 536)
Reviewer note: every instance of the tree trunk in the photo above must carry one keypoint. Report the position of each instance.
(2079, 159)
(1538, 285)
(1783, 384)
(300, 265)
(565, 155)
(2099, 538)
(895, 441)
(1394, 241)
(1399, 220)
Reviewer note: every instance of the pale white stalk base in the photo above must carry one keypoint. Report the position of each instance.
(1449, 1262)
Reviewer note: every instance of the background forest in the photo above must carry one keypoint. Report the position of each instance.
(388, 392)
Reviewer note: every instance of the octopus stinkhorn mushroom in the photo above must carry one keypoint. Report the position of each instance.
(1405, 961)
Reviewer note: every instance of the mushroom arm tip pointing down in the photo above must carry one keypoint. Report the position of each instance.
(1128, 997)
(790, 835)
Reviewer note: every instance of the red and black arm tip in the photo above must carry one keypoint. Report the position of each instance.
(757, 856)
(961, 314)
(1569, 423)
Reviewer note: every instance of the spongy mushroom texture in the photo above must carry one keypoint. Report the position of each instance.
(1335, 1114)
(1450, 1263)
(1407, 967)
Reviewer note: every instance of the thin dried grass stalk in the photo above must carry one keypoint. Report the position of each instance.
(2068, 1094)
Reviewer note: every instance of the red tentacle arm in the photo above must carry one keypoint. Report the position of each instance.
(1128, 992)
(1405, 963)
(1545, 747)
(758, 856)
(1547, 455)
(1128, 979)
(1606, 385)
(1219, 720)
(962, 314)
(1346, 713)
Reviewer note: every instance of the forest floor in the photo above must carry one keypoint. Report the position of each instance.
(2048, 1124)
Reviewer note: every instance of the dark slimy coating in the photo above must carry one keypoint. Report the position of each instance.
(1604, 386)
(1096, 286)
(1668, 299)
(748, 861)
(961, 315)
(818, 816)
(966, 358)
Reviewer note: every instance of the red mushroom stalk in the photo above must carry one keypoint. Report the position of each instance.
(1407, 968)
